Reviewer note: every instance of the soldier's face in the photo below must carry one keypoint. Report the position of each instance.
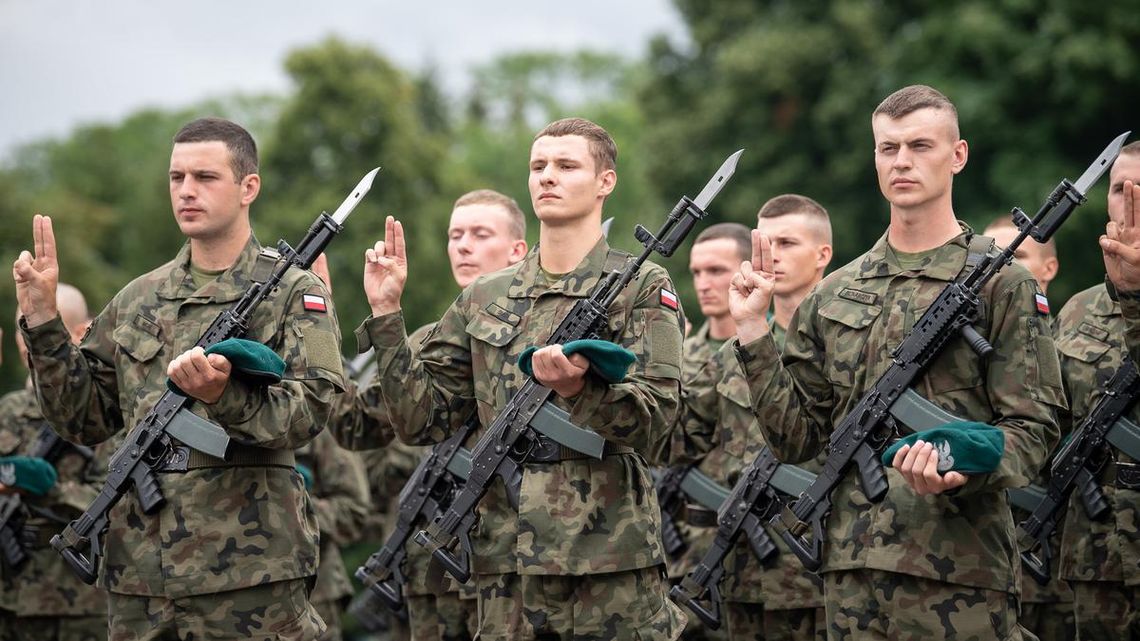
(712, 264)
(479, 242)
(1030, 254)
(917, 156)
(798, 254)
(208, 202)
(564, 184)
(1126, 167)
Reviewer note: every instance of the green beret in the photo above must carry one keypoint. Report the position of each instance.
(963, 446)
(33, 475)
(607, 360)
(251, 360)
(306, 474)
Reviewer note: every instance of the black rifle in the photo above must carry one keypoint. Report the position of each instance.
(50, 447)
(511, 436)
(860, 437)
(1076, 465)
(430, 487)
(667, 482)
(150, 442)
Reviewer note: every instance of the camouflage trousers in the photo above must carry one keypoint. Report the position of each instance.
(1107, 610)
(754, 622)
(873, 604)
(445, 617)
(1054, 621)
(329, 612)
(52, 628)
(278, 610)
(618, 606)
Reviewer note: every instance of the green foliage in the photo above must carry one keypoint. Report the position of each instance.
(1040, 89)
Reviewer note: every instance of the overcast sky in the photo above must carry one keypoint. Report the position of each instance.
(69, 62)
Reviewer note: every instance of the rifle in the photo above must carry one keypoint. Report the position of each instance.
(151, 441)
(50, 447)
(1076, 465)
(512, 436)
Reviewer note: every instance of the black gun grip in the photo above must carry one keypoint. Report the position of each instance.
(872, 478)
(457, 567)
(390, 593)
(146, 488)
(976, 341)
(1038, 568)
(1092, 496)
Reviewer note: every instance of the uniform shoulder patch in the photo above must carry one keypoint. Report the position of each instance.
(858, 296)
(1042, 304)
(669, 299)
(314, 303)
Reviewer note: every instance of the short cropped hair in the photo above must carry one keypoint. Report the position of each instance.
(786, 204)
(914, 97)
(1131, 149)
(602, 146)
(731, 231)
(517, 226)
(243, 151)
(1006, 222)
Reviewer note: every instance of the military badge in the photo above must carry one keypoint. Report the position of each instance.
(8, 474)
(669, 299)
(314, 303)
(1042, 304)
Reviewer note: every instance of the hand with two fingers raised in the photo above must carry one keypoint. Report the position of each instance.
(750, 292)
(386, 270)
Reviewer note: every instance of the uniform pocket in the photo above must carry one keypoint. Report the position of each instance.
(493, 352)
(735, 419)
(852, 328)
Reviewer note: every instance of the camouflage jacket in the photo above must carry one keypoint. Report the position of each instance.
(578, 516)
(222, 528)
(340, 496)
(716, 402)
(839, 343)
(45, 585)
(1093, 332)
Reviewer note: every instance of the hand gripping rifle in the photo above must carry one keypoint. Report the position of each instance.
(1076, 465)
(151, 441)
(860, 437)
(512, 436)
(50, 447)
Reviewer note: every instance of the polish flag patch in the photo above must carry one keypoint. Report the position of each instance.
(314, 303)
(669, 299)
(1042, 304)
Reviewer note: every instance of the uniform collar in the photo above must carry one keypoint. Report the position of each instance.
(578, 283)
(944, 263)
(227, 287)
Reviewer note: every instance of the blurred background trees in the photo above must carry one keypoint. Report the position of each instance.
(1040, 88)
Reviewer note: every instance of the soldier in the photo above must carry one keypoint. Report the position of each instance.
(581, 556)
(486, 233)
(1046, 611)
(1095, 331)
(42, 598)
(936, 558)
(232, 552)
(780, 600)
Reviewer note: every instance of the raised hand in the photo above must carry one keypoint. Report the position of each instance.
(386, 270)
(750, 292)
(1121, 242)
(37, 275)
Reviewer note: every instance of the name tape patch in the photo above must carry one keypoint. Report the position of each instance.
(867, 298)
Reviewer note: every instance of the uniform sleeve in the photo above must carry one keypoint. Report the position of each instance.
(340, 491)
(641, 411)
(1130, 310)
(427, 395)
(359, 419)
(76, 386)
(290, 413)
(791, 396)
(695, 433)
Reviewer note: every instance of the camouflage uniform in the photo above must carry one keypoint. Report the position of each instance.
(45, 597)
(1101, 559)
(577, 518)
(910, 565)
(228, 535)
(775, 601)
(340, 496)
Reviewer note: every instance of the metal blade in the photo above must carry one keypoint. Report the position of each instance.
(606, 226)
(1101, 164)
(714, 185)
(355, 197)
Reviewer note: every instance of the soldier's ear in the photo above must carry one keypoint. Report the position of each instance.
(250, 188)
(518, 252)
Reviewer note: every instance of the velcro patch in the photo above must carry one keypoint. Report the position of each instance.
(1089, 329)
(314, 303)
(1042, 304)
(669, 299)
(866, 298)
